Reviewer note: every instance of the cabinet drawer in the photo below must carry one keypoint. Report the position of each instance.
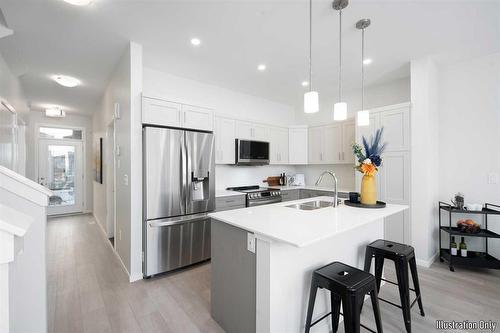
(232, 202)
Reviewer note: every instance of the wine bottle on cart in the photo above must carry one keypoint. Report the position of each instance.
(463, 248)
(454, 247)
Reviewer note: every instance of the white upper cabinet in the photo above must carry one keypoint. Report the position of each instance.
(251, 131)
(297, 145)
(396, 125)
(331, 144)
(196, 117)
(278, 139)
(315, 144)
(348, 137)
(224, 140)
(159, 112)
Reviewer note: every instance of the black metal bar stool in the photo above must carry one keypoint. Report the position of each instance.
(403, 256)
(348, 286)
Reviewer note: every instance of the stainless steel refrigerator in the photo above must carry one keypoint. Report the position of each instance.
(179, 191)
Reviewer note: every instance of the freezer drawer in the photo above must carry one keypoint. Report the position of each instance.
(176, 242)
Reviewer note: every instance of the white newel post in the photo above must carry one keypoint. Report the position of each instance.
(23, 273)
(12, 224)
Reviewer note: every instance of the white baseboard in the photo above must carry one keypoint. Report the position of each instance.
(130, 278)
(428, 263)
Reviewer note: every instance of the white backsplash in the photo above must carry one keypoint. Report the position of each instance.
(230, 175)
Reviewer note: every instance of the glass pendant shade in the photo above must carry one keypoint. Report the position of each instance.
(340, 111)
(364, 118)
(311, 102)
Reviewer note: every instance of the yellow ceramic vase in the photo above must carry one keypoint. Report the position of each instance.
(368, 190)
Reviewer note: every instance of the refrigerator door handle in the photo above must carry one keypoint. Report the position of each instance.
(184, 177)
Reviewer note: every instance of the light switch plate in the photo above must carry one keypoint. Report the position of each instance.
(493, 178)
(251, 242)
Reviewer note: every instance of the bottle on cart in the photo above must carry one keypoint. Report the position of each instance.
(454, 247)
(463, 248)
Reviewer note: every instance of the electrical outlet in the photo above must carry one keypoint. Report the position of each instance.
(125, 180)
(493, 178)
(251, 242)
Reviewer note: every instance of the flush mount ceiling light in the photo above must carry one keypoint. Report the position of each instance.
(363, 115)
(305, 83)
(261, 67)
(340, 108)
(367, 61)
(55, 112)
(195, 41)
(311, 98)
(79, 2)
(66, 81)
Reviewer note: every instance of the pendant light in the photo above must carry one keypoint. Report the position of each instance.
(340, 108)
(363, 115)
(311, 98)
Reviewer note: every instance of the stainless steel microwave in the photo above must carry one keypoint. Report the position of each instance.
(249, 152)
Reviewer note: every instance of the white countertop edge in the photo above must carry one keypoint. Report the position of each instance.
(226, 193)
(312, 187)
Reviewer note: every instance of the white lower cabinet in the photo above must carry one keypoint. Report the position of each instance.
(225, 140)
(278, 141)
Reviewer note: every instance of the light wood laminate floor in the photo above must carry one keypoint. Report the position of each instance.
(88, 291)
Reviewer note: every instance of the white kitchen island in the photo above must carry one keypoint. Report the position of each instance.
(267, 291)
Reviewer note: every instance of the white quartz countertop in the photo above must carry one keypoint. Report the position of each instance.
(313, 187)
(226, 193)
(302, 227)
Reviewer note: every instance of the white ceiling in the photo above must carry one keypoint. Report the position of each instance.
(52, 37)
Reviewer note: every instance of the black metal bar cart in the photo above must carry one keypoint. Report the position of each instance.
(473, 259)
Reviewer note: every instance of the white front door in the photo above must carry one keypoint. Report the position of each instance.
(60, 169)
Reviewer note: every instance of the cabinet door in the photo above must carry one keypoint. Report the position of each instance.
(368, 131)
(297, 145)
(396, 125)
(197, 118)
(224, 140)
(244, 130)
(332, 144)
(274, 145)
(394, 181)
(260, 132)
(283, 145)
(348, 137)
(158, 112)
(315, 144)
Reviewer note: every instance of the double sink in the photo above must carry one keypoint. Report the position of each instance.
(311, 205)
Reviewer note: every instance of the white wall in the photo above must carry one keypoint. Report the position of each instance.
(425, 158)
(394, 92)
(469, 135)
(11, 90)
(71, 120)
(124, 88)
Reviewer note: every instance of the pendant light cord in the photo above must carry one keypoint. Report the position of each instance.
(310, 46)
(340, 56)
(362, 69)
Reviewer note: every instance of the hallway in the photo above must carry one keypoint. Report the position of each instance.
(88, 290)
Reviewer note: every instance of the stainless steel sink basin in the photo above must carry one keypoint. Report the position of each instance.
(311, 205)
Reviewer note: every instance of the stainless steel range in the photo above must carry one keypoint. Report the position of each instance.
(257, 196)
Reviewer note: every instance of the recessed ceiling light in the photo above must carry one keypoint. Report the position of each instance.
(367, 61)
(261, 67)
(305, 83)
(66, 81)
(55, 112)
(79, 2)
(195, 41)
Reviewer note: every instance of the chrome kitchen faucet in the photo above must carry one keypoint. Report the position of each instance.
(335, 195)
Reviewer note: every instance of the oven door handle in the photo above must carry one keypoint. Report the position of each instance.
(263, 202)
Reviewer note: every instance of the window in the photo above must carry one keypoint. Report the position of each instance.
(60, 133)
